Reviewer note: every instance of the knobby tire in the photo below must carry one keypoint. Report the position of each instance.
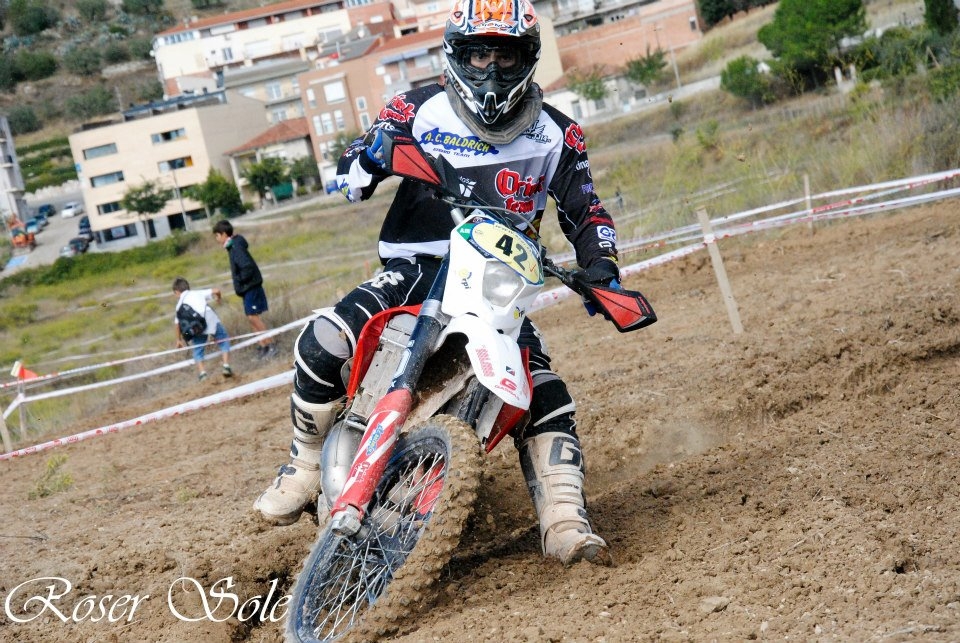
(362, 587)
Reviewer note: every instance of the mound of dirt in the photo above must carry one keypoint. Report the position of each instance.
(796, 481)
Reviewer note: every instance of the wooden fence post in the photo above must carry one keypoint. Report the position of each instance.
(720, 271)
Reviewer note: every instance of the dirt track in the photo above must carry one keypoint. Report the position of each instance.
(799, 481)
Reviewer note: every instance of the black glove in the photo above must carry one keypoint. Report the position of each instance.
(602, 273)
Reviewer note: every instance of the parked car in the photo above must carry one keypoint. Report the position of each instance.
(33, 226)
(74, 247)
(83, 228)
(42, 220)
(47, 210)
(71, 209)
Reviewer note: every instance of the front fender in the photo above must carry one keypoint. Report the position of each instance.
(496, 359)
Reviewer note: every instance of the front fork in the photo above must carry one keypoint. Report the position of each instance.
(390, 413)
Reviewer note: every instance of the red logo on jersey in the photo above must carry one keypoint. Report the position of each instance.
(573, 138)
(517, 191)
(397, 110)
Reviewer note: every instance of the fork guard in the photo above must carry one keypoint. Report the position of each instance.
(496, 359)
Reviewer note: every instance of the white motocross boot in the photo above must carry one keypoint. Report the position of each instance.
(553, 468)
(298, 483)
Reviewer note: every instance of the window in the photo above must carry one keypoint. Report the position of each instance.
(311, 98)
(107, 208)
(166, 137)
(365, 121)
(334, 92)
(121, 232)
(106, 179)
(100, 150)
(327, 123)
(278, 115)
(317, 127)
(175, 164)
(274, 91)
(361, 103)
(338, 119)
(295, 84)
(227, 53)
(693, 24)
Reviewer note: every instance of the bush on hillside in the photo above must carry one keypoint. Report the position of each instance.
(23, 120)
(94, 102)
(33, 65)
(83, 61)
(742, 78)
(28, 17)
(93, 11)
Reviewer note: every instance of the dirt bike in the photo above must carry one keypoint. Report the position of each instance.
(452, 371)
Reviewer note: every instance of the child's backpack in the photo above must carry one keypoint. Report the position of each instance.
(192, 324)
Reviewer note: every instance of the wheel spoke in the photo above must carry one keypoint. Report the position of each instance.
(361, 567)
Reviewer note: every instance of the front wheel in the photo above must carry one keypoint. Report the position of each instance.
(358, 588)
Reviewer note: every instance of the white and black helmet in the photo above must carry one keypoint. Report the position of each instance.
(491, 95)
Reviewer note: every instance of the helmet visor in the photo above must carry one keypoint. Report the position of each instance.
(480, 61)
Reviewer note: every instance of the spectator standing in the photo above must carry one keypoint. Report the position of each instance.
(247, 282)
(211, 325)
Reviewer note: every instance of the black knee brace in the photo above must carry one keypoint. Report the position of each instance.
(319, 366)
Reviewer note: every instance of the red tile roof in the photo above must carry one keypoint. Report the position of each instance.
(289, 130)
(246, 14)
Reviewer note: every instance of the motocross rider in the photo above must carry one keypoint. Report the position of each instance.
(487, 117)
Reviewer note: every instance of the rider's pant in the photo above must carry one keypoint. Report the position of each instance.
(330, 339)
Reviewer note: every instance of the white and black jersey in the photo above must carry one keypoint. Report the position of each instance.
(548, 158)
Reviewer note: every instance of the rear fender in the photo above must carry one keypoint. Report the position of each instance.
(496, 359)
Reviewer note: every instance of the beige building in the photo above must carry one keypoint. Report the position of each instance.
(173, 143)
(197, 54)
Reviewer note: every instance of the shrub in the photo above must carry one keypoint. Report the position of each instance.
(33, 65)
(142, 7)
(94, 102)
(28, 17)
(22, 120)
(944, 82)
(83, 61)
(140, 48)
(92, 11)
(115, 52)
(743, 79)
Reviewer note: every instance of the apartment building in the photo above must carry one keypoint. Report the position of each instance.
(173, 143)
(11, 179)
(275, 83)
(615, 32)
(199, 54)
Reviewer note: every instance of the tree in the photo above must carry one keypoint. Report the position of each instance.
(940, 16)
(807, 35)
(145, 200)
(588, 84)
(646, 70)
(217, 192)
(266, 174)
(743, 79)
(304, 170)
(338, 146)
